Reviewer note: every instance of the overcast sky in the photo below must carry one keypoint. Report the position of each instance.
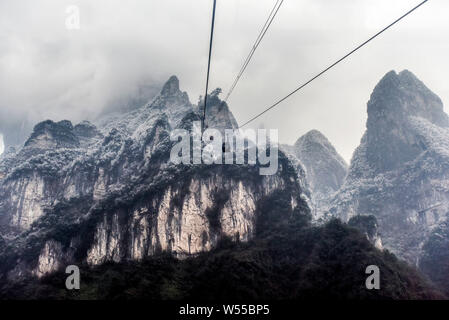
(48, 71)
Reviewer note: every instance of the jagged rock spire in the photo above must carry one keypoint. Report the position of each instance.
(325, 168)
(171, 87)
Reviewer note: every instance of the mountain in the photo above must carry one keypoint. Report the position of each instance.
(218, 115)
(87, 194)
(107, 198)
(400, 170)
(325, 169)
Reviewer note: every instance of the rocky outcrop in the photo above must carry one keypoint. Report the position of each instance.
(41, 173)
(49, 259)
(369, 227)
(51, 135)
(325, 169)
(399, 172)
(61, 161)
(92, 194)
(218, 115)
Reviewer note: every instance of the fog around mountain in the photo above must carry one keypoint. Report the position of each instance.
(49, 72)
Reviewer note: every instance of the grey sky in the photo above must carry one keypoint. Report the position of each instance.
(47, 71)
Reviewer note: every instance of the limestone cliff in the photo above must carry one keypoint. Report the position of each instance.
(108, 192)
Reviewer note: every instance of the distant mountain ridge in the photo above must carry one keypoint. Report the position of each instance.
(325, 169)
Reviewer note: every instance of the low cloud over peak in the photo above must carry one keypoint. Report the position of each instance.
(123, 53)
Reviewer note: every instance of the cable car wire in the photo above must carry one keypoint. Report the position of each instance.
(332, 65)
(261, 35)
(208, 63)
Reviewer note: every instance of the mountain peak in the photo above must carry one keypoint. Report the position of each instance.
(314, 136)
(325, 168)
(218, 114)
(173, 102)
(393, 78)
(408, 77)
(391, 139)
(399, 171)
(171, 87)
(312, 140)
(50, 134)
(398, 96)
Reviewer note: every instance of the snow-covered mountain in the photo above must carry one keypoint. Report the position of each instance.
(89, 194)
(92, 194)
(325, 169)
(400, 171)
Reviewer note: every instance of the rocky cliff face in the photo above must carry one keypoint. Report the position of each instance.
(325, 169)
(369, 227)
(92, 194)
(218, 115)
(36, 176)
(399, 172)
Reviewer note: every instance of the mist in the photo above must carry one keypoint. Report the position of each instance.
(124, 52)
